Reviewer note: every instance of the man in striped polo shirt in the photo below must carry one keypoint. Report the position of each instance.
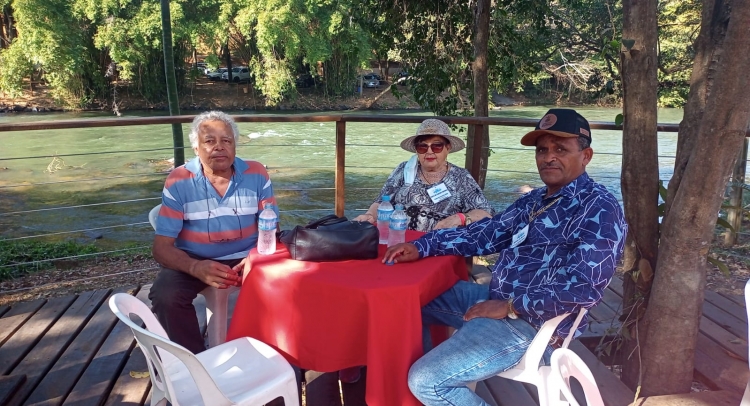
(207, 224)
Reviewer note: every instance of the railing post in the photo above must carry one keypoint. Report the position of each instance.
(734, 213)
(340, 160)
(477, 143)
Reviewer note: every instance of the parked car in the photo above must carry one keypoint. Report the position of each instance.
(239, 74)
(401, 77)
(216, 74)
(370, 80)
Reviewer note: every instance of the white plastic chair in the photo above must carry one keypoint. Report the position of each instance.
(217, 301)
(244, 371)
(529, 369)
(746, 396)
(567, 364)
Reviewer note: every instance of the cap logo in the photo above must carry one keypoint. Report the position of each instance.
(547, 121)
(585, 132)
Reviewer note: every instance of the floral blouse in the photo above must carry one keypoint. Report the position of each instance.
(465, 195)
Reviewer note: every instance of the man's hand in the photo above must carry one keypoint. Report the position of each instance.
(215, 274)
(448, 222)
(491, 309)
(405, 252)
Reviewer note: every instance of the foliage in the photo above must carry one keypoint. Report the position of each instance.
(16, 255)
(679, 23)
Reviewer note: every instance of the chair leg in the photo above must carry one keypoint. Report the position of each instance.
(217, 301)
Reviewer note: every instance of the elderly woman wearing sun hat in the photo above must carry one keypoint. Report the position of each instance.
(434, 192)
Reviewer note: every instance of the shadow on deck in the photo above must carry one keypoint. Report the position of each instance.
(72, 351)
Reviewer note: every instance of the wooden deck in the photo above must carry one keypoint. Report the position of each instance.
(72, 351)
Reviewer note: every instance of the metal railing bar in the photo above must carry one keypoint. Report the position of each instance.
(79, 206)
(77, 231)
(82, 180)
(88, 153)
(75, 256)
(79, 280)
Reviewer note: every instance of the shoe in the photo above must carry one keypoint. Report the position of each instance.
(350, 375)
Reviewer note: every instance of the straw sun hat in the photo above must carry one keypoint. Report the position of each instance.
(433, 126)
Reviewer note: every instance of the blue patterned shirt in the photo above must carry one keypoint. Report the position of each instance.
(566, 261)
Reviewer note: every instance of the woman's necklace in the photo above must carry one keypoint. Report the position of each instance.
(433, 177)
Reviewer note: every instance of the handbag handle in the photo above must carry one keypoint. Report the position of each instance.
(325, 221)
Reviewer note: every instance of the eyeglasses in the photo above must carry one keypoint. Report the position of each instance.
(435, 146)
(208, 219)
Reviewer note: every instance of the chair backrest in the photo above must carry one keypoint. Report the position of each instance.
(533, 356)
(565, 365)
(153, 214)
(161, 352)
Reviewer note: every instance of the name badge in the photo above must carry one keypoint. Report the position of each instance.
(438, 193)
(520, 236)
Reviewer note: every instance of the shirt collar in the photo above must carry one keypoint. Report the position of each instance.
(571, 189)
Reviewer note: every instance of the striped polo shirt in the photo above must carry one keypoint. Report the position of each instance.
(208, 225)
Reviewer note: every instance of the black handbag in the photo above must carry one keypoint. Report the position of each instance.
(332, 238)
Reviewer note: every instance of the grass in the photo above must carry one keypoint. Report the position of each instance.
(21, 257)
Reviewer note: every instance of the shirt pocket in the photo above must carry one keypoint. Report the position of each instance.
(246, 202)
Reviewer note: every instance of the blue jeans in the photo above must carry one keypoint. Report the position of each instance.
(480, 349)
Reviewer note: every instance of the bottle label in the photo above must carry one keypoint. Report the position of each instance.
(267, 224)
(384, 215)
(398, 224)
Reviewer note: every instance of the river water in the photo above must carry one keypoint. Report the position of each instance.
(104, 190)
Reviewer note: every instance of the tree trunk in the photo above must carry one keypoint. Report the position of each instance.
(673, 316)
(228, 56)
(481, 88)
(640, 169)
(173, 100)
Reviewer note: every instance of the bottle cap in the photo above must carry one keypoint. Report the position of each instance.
(386, 198)
(399, 206)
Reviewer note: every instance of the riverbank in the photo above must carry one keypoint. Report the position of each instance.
(209, 95)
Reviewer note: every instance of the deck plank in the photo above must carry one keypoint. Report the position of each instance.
(725, 319)
(8, 386)
(715, 368)
(724, 338)
(25, 338)
(739, 299)
(708, 398)
(127, 390)
(322, 388)
(59, 381)
(4, 309)
(729, 306)
(14, 318)
(55, 341)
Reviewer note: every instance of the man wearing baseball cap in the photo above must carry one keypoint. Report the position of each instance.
(558, 247)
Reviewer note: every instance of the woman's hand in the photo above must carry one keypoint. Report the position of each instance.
(449, 222)
(367, 217)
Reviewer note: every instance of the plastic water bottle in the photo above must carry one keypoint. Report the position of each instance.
(397, 226)
(385, 209)
(267, 230)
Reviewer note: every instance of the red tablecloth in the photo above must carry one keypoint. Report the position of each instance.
(333, 315)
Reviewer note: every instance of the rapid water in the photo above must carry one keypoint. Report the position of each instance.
(299, 156)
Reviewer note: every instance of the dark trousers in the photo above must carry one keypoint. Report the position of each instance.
(172, 296)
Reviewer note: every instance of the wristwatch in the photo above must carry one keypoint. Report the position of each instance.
(511, 310)
(468, 219)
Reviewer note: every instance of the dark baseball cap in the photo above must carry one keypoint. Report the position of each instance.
(560, 122)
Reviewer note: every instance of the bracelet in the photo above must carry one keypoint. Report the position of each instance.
(462, 218)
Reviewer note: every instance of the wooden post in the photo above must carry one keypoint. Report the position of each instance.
(477, 144)
(340, 159)
(734, 213)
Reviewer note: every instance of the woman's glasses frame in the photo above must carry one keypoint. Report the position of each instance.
(436, 147)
